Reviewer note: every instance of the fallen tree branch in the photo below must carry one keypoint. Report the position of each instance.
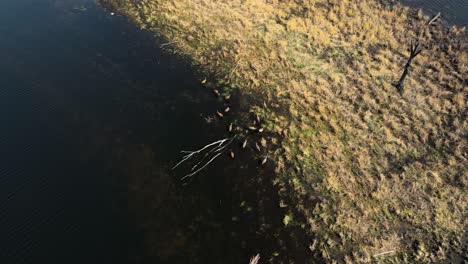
(434, 19)
(168, 44)
(195, 172)
(384, 253)
(192, 153)
(255, 259)
(217, 148)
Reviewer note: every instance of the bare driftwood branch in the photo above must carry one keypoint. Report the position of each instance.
(190, 154)
(384, 253)
(415, 50)
(197, 171)
(255, 259)
(168, 44)
(434, 19)
(211, 151)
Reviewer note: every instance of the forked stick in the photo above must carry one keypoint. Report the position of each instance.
(215, 148)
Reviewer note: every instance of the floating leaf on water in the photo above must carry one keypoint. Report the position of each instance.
(244, 144)
(230, 127)
(219, 114)
(203, 82)
(264, 160)
(252, 128)
(81, 8)
(257, 118)
(227, 97)
(282, 204)
(227, 109)
(257, 147)
(287, 219)
(209, 119)
(260, 130)
(231, 155)
(276, 253)
(216, 92)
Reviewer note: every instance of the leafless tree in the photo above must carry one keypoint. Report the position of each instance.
(415, 49)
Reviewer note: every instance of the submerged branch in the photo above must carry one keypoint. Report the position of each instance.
(216, 148)
(192, 153)
(195, 172)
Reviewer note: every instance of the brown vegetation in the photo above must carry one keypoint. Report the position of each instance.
(369, 170)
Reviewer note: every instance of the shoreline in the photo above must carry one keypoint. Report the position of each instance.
(367, 170)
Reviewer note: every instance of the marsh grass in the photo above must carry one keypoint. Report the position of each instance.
(369, 170)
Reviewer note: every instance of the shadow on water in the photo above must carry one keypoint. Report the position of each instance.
(93, 117)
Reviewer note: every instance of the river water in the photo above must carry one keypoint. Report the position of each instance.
(453, 11)
(93, 116)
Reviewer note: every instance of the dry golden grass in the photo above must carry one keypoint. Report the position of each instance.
(376, 171)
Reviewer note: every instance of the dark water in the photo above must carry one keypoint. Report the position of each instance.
(453, 11)
(92, 116)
